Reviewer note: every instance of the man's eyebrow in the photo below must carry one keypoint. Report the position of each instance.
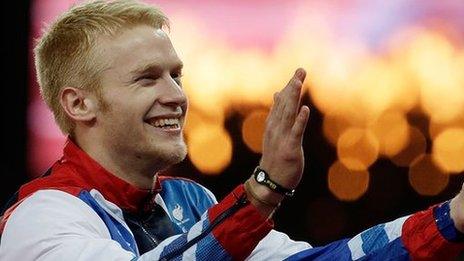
(155, 67)
(146, 68)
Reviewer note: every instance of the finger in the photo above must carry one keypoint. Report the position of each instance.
(301, 121)
(272, 115)
(301, 74)
(298, 77)
(274, 103)
(280, 112)
(291, 97)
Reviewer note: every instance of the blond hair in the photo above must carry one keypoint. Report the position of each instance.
(66, 54)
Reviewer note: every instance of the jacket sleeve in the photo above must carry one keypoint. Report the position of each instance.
(54, 225)
(425, 235)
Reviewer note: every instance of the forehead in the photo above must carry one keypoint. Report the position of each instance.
(137, 46)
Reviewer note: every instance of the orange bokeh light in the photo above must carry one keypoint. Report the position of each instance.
(357, 148)
(210, 148)
(392, 132)
(197, 119)
(253, 130)
(435, 128)
(448, 150)
(333, 126)
(345, 184)
(426, 178)
(415, 148)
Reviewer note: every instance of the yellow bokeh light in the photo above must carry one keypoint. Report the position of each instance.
(433, 61)
(364, 96)
(357, 148)
(426, 178)
(392, 132)
(253, 130)
(210, 148)
(250, 85)
(197, 119)
(206, 88)
(379, 83)
(345, 184)
(448, 150)
(415, 148)
(436, 128)
(193, 121)
(333, 90)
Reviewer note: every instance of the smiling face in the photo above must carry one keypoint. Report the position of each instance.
(144, 104)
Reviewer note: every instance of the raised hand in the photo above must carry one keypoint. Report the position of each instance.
(283, 157)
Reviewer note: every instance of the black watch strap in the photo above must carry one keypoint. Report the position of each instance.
(262, 178)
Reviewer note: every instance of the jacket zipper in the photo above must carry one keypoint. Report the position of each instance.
(153, 241)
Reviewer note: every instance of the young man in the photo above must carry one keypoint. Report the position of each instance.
(110, 75)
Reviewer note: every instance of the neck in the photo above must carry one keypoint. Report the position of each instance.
(130, 168)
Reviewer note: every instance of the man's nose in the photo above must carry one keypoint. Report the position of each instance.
(173, 94)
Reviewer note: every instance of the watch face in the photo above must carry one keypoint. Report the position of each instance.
(261, 176)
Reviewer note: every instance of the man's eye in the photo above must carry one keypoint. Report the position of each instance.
(146, 80)
(176, 75)
(177, 78)
(146, 77)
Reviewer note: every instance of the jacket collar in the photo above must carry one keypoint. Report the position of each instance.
(113, 188)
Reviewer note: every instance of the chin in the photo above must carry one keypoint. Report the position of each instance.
(167, 157)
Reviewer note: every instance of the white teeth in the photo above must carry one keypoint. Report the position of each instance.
(164, 122)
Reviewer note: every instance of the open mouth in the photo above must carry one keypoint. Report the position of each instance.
(165, 123)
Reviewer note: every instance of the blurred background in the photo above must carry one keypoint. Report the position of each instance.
(385, 84)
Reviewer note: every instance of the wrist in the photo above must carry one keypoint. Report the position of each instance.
(266, 202)
(264, 193)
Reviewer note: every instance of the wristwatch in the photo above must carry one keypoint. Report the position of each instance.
(263, 178)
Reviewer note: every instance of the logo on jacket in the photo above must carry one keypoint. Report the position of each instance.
(178, 212)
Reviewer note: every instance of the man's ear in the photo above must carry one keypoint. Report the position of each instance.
(80, 105)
